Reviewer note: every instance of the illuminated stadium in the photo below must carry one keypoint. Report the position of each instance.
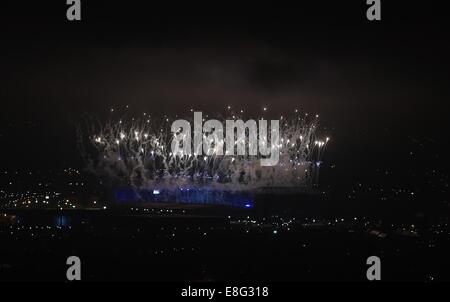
(199, 196)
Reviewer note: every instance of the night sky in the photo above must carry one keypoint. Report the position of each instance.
(381, 88)
(138, 212)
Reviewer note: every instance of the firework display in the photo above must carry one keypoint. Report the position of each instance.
(137, 153)
(180, 145)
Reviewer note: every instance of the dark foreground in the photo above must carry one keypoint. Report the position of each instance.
(137, 245)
